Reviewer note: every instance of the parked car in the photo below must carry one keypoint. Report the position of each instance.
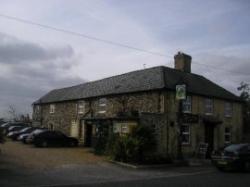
(26, 130)
(2, 122)
(11, 130)
(232, 157)
(54, 138)
(30, 138)
(21, 137)
(5, 127)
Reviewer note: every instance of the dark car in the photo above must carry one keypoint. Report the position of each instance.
(30, 138)
(5, 127)
(11, 130)
(232, 157)
(54, 138)
(25, 130)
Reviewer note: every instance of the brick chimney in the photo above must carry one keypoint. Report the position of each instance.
(182, 62)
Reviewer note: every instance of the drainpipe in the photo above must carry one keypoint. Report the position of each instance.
(179, 148)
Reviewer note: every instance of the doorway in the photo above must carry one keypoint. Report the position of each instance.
(209, 138)
(88, 135)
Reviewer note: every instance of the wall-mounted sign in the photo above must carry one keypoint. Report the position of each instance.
(181, 92)
(190, 118)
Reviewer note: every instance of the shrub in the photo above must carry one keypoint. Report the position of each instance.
(131, 147)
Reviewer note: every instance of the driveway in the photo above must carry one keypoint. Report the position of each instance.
(24, 165)
(29, 157)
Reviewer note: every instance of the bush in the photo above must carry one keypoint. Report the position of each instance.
(131, 147)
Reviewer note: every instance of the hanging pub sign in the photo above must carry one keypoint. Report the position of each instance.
(181, 92)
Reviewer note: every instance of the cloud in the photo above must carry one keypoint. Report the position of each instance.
(29, 70)
(34, 60)
(227, 69)
(13, 50)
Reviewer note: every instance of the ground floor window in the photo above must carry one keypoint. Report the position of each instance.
(185, 131)
(227, 135)
(123, 127)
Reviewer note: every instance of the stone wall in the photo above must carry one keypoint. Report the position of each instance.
(159, 108)
(66, 112)
(197, 130)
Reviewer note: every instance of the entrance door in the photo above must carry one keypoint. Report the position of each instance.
(209, 139)
(88, 135)
(74, 131)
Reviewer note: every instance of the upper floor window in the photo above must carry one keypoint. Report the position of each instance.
(185, 132)
(187, 105)
(81, 107)
(228, 109)
(208, 106)
(37, 109)
(102, 105)
(52, 108)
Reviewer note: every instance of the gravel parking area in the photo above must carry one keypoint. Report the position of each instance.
(29, 157)
(26, 166)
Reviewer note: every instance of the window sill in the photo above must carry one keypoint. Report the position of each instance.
(208, 114)
(187, 112)
(101, 112)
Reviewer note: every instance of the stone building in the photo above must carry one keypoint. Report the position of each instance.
(210, 114)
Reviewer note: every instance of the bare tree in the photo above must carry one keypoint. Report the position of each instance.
(13, 113)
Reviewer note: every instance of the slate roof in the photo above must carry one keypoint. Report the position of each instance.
(142, 80)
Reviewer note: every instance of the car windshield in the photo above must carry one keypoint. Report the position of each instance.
(234, 147)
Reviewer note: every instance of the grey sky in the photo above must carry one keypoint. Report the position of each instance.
(35, 60)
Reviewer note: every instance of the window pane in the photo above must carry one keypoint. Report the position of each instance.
(81, 106)
(208, 106)
(102, 105)
(227, 130)
(187, 104)
(185, 130)
(185, 138)
(228, 109)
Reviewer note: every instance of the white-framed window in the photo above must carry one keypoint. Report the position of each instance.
(81, 107)
(123, 127)
(52, 108)
(187, 105)
(228, 109)
(227, 135)
(102, 105)
(185, 131)
(208, 106)
(37, 109)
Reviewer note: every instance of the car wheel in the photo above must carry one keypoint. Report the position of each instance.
(44, 144)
